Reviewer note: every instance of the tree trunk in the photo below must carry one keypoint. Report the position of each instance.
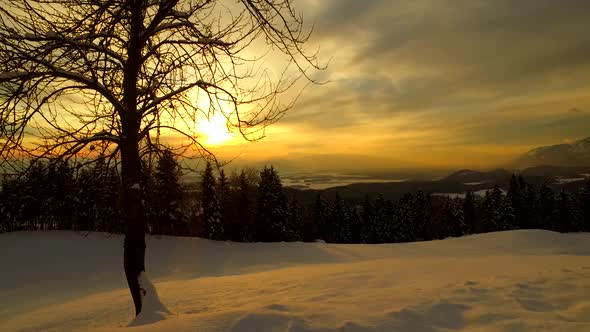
(134, 243)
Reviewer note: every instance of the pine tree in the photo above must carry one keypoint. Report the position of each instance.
(421, 215)
(498, 214)
(243, 210)
(294, 227)
(531, 207)
(584, 207)
(405, 231)
(60, 186)
(339, 221)
(547, 208)
(450, 221)
(515, 195)
(567, 216)
(168, 195)
(320, 216)
(226, 212)
(107, 211)
(469, 213)
(367, 228)
(33, 198)
(212, 227)
(381, 231)
(10, 202)
(271, 212)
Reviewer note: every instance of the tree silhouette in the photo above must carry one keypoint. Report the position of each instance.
(584, 207)
(212, 227)
(271, 208)
(168, 194)
(77, 77)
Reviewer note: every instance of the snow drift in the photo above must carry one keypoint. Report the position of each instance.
(507, 281)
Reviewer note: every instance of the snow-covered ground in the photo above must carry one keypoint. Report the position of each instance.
(507, 281)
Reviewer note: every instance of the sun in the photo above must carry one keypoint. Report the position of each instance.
(215, 129)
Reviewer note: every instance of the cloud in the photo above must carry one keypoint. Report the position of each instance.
(446, 75)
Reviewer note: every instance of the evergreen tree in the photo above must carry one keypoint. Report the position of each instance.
(368, 227)
(10, 203)
(386, 228)
(243, 210)
(167, 199)
(339, 221)
(405, 231)
(294, 227)
(547, 208)
(271, 212)
(516, 193)
(457, 226)
(108, 215)
(421, 215)
(320, 216)
(390, 226)
(498, 214)
(584, 207)
(60, 186)
(86, 200)
(567, 216)
(469, 213)
(531, 207)
(226, 212)
(212, 227)
(355, 222)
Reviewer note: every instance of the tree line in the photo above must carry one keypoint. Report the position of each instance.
(251, 206)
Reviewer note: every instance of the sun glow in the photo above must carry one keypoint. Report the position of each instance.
(215, 129)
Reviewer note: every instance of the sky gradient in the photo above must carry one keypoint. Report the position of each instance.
(434, 83)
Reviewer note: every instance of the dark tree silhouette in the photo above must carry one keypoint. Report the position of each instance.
(271, 209)
(547, 208)
(168, 194)
(469, 213)
(212, 227)
(320, 215)
(584, 206)
(80, 76)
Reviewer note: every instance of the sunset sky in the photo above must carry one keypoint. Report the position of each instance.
(436, 83)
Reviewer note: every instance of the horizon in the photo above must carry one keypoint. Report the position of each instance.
(432, 86)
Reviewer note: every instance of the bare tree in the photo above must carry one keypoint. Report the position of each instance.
(107, 77)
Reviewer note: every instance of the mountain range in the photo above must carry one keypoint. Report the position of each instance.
(566, 155)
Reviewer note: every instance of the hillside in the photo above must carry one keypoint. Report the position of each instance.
(573, 154)
(508, 281)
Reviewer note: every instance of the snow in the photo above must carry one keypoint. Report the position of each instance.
(480, 193)
(506, 281)
(475, 183)
(562, 180)
(153, 310)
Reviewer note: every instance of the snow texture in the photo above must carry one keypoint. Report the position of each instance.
(505, 281)
(480, 193)
(152, 309)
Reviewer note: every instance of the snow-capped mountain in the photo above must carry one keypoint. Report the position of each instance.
(574, 154)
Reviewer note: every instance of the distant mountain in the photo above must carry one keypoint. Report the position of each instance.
(472, 177)
(567, 155)
(570, 179)
(556, 171)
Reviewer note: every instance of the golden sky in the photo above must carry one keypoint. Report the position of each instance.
(435, 83)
